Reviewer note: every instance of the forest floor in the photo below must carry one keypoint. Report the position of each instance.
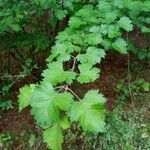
(18, 130)
(21, 126)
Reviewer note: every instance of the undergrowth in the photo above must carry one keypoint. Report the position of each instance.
(84, 31)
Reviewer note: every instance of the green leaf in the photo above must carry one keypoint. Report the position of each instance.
(25, 95)
(125, 23)
(93, 38)
(76, 38)
(87, 14)
(45, 102)
(120, 46)
(32, 140)
(95, 29)
(110, 17)
(87, 73)
(92, 56)
(55, 74)
(70, 76)
(104, 29)
(59, 51)
(104, 6)
(93, 96)
(15, 27)
(43, 105)
(114, 31)
(64, 123)
(53, 137)
(62, 36)
(89, 112)
(64, 100)
(76, 22)
(61, 14)
(145, 29)
(107, 43)
(146, 86)
(118, 3)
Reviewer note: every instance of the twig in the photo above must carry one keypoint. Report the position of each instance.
(10, 85)
(66, 88)
(137, 33)
(60, 87)
(73, 93)
(11, 76)
(129, 76)
(74, 63)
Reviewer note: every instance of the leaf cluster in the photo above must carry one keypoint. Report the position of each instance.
(91, 31)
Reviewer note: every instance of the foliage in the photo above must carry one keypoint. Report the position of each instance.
(128, 121)
(142, 53)
(91, 30)
(5, 105)
(20, 25)
(89, 112)
(6, 140)
(47, 105)
(8, 81)
(133, 134)
(136, 90)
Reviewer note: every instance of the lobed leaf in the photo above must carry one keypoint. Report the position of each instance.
(92, 56)
(64, 100)
(87, 73)
(125, 23)
(25, 95)
(53, 137)
(89, 112)
(120, 45)
(114, 31)
(44, 109)
(55, 74)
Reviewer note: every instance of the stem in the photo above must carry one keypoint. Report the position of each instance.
(11, 76)
(74, 93)
(129, 76)
(66, 88)
(74, 63)
(60, 87)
